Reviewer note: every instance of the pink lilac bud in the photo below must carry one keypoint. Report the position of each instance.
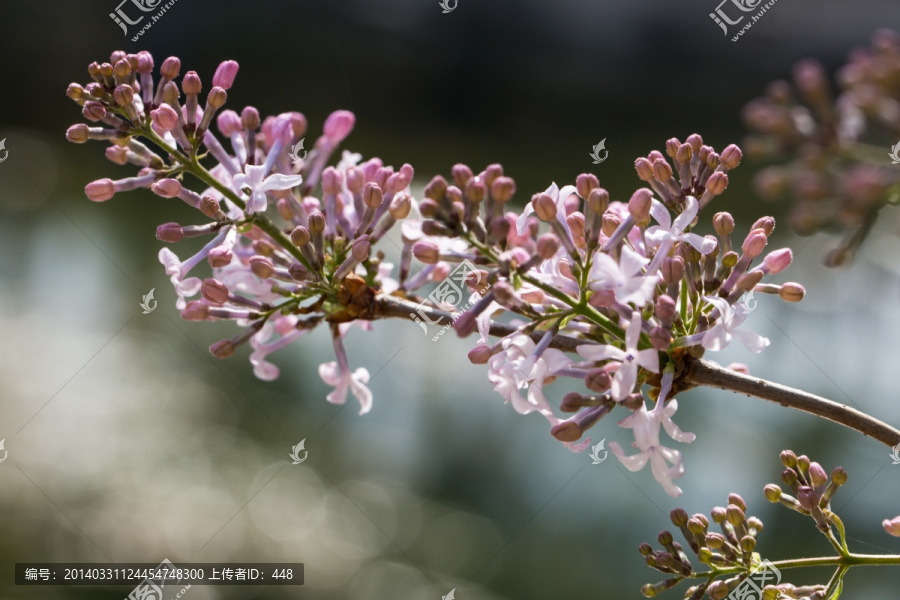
(165, 117)
(338, 125)
(598, 380)
(225, 74)
(170, 232)
(332, 180)
(661, 338)
(673, 269)
(217, 97)
(461, 175)
(145, 62)
(767, 224)
(672, 146)
(817, 475)
(78, 133)
(662, 170)
(228, 122)
(123, 95)
(754, 243)
(214, 291)
(360, 249)
(792, 292)
(665, 308)
(695, 141)
(503, 188)
(479, 355)
(717, 183)
(547, 246)
(167, 188)
(93, 110)
(400, 207)
(426, 252)
(261, 266)
(731, 156)
(684, 153)
(598, 201)
(575, 221)
(602, 298)
(219, 257)
(644, 169)
(892, 526)
(100, 190)
(639, 205)
(191, 84)
(475, 191)
(171, 67)
(585, 184)
(544, 207)
(723, 223)
(372, 195)
(436, 188)
(249, 118)
(209, 206)
(117, 154)
(403, 177)
(222, 349)
(778, 260)
(196, 310)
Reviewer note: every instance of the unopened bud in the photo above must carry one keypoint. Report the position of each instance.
(639, 205)
(544, 207)
(426, 252)
(792, 292)
(170, 233)
(222, 349)
(214, 291)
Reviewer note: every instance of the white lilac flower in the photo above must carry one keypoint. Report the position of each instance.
(254, 178)
(664, 235)
(645, 425)
(630, 358)
(626, 277)
(726, 326)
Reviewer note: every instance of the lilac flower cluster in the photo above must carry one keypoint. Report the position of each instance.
(276, 281)
(837, 179)
(611, 294)
(638, 291)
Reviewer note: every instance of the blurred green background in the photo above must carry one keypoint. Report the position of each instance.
(128, 442)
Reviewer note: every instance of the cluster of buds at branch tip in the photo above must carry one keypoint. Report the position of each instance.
(276, 277)
(836, 178)
(733, 545)
(810, 486)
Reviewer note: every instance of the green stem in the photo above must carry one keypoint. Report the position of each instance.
(849, 561)
(193, 166)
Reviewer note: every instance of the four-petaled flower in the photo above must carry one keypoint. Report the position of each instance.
(626, 376)
(344, 380)
(645, 425)
(254, 178)
(726, 328)
(626, 277)
(667, 233)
